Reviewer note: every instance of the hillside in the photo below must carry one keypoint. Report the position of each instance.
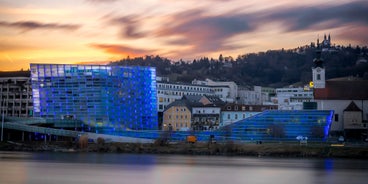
(275, 68)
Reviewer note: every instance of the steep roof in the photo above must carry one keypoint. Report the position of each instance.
(179, 103)
(352, 107)
(192, 98)
(343, 89)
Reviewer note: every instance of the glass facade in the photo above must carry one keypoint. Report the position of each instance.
(269, 126)
(282, 125)
(102, 97)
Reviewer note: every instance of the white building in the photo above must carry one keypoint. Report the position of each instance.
(337, 95)
(169, 92)
(227, 91)
(16, 97)
(292, 98)
(258, 96)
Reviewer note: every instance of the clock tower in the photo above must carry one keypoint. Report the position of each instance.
(318, 71)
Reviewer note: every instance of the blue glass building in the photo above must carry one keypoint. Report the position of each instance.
(102, 97)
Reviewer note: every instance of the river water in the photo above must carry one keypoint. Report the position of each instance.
(80, 168)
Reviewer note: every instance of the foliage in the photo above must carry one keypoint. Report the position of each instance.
(274, 68)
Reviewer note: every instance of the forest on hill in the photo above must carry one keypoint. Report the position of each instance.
(273, 68)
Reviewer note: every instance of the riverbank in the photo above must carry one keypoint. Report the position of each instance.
(225, 149)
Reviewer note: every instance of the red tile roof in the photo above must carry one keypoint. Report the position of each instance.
(343, 89)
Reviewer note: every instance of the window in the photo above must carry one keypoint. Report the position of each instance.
(318, 76)
(336, 117)
(236, 116)
(228, 116)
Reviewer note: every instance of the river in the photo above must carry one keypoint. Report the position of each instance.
(81, 168)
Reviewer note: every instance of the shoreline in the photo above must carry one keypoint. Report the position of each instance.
(279, 150)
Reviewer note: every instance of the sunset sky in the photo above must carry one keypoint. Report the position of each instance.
(77, 31)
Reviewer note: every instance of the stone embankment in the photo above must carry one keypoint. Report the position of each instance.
(224, 149)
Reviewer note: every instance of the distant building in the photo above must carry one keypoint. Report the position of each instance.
(347, 97)
(340, 95)
(103, 97)
(177, 116)
(169, 92)
(16, 97)
(292, 98)
(258, 96)
(231, 112)
(220, 89)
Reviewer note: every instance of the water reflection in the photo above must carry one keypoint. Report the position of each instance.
(73, 168)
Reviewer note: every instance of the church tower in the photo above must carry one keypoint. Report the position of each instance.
(318, 71)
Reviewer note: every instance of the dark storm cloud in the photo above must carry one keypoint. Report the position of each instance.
(129, 26)
(121, 49)
(323, 17)
(32, 25)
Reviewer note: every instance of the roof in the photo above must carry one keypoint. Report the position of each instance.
(343, 89)
(215, 100)
(192, 98)
(352, 107)
(179, 103)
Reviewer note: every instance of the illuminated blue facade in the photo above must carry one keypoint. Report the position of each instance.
(281, 125)
(271, 125)
(102, 97)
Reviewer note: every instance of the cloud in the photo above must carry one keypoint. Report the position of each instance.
(101, 1)
(204, 33)
(122, 50)
(322, 17)
(129, 26)
(33, 25)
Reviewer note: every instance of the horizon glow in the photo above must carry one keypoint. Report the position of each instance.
(99, 31)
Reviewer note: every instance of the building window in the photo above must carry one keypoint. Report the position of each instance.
(228, 116)
(236, 116)
(236, 108)
(336, 117)
(228, 108)
(318, 76)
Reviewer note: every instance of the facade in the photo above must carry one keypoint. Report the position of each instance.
(16, 97)
(281, 125)
(169, 92)
(177, 116)
(231, 113)
(102, 97)
(205, 117)
(338, 94)
(227, 91)
(292, 98)
(258, 96)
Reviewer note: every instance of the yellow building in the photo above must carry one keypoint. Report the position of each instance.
(177, 116)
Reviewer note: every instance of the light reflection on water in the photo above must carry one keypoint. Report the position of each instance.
(65, 168)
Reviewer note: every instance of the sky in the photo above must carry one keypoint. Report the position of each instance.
(99, 31)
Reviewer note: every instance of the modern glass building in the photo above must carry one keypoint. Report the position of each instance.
(281, 125)
(103, 97)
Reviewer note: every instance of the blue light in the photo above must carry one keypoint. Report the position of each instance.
(94, 98)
